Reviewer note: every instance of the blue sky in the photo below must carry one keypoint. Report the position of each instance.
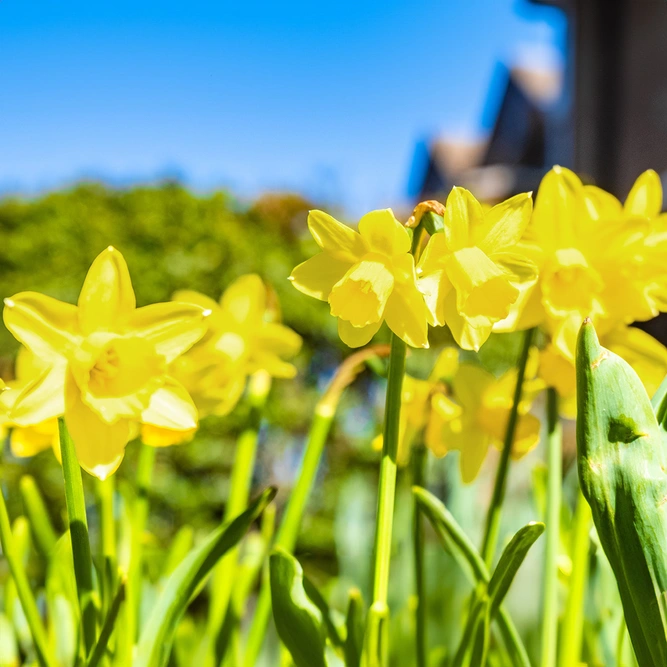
(327, 98)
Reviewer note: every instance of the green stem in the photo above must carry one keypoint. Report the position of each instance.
(25, 595)
(495, 508)
(107, 628)
(105, 490)
(573, 621)
(550, 577)
(387, 483)
(419, 458)
(42, 529)
(139, 518)
(78, 528)
(237, 501)
(291, 523)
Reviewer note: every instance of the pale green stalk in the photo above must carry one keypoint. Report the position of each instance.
(387, 489)
(573, 621)
(550, 576)
(105, 491)
(138, 519)
(419, 458)
(495, 508)
(25, 595)
(237, 501)
(78, 528)
(42, 529)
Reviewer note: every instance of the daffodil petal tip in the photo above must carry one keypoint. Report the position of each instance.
(9, 303)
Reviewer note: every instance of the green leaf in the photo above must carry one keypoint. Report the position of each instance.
(318, 600)
(465, 553)
(622, 459)
(156, 639)
(100, 647)
(298, 620)
(510, 561)
(354, 622)
(42, 529)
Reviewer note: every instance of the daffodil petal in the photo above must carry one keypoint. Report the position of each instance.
(46, 326)
(406, 314)
(556, 206)
(483, 290)
(173, 328)
(467, 336)
(527, 435)
(383, 233)
(279, 339)
(265, 360)
(153, 436)
(216, 319)
(504, 224)
(41, 399)
(473, 454)
(26, 441)
(316, 276)
(469, 384)
(361, 295)
(645, 198)
(526, 312)
(171, 407)
(462, 213)
(244, 301)
(357, 336)
(339, 240)
(100, 447)
(107, 295)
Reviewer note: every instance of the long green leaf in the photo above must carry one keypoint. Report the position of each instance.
(622, 462)
(156, 639)
(42, 529)
(510, 561)
(354, 622)
(298, 620)
(463, 550)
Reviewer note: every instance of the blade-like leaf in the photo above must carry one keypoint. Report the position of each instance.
(42, 529)
(622, 463)
(510, 562)
(156, 639)
(298, 620)
(318, 600)
(465, 553)
(100, 647)
(354, 622)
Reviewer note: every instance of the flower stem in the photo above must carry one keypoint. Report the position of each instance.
(291, 523)
(573, 621)
(387, 482)
(239, 490)
(419, 458)
(106, 489)
(554, 481)
(495, 508)
(139, 518)
(78, 528)
(25, 595)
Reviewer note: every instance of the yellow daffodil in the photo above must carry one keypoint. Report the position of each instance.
(486, 402)
(597, 258)
(426, 407)
(106, 362)
(644, 353)
(26, 441)
(367, 277)
(473, 271)
(244, 338)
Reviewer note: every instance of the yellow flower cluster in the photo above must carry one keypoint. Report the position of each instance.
(462, 407)
(580, 253)
(112, 369)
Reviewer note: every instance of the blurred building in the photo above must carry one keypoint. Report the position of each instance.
(605, 114)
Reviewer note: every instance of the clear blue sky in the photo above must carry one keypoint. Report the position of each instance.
(327, 98)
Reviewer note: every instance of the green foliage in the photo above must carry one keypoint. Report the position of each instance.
(622, 458)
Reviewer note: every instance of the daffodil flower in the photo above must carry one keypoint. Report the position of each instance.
(243, 338)
(473, 271)
(597, 258)
(425, 407)
(26, 441)
(486, 402)
(367, 277)
(106, 362)
(646, 355)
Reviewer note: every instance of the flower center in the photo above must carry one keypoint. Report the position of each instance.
(569, 283)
